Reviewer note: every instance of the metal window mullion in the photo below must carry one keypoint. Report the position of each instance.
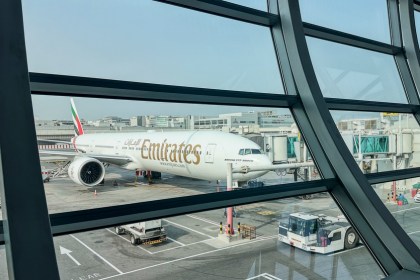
(411, 45)
(299, 115)
(82, 220)
(384, 234)
(29, 246)
(369, 106)
(60, 85)
(394, 175)
(332, 35)
(400, 59)
(227, 10)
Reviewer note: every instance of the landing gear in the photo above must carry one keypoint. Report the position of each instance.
(151, 175)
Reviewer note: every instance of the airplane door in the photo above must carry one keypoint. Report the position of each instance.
(209, 157)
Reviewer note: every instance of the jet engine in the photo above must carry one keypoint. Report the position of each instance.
(86, 171)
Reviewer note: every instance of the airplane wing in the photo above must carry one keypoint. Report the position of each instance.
(112, 159)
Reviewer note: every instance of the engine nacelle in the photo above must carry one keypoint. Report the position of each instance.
(86, 171)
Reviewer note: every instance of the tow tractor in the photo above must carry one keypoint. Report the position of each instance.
(149, 232)
(320, 234)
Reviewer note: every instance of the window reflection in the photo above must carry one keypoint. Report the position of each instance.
(402, 198)
(126, 42)
(142, 151)
(380, 141)
(359, 17)
(417, 22)
(259, 246)
(353, 73)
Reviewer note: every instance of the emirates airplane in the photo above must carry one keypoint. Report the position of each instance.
(196, 154)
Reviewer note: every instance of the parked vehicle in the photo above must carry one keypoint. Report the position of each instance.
(320, 234)
(149, 232)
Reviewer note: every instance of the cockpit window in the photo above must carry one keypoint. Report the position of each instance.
(249, 151)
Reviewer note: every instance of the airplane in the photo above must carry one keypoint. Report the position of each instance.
(196, 154)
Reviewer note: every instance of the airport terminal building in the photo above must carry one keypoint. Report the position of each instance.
(328, 92)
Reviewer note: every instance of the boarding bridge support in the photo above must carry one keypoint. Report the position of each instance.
(229, 210)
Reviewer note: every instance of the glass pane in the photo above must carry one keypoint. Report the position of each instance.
(148, 41)
(3, 263)
(402, 198)
(195, 249)
(380, 141)
(353, 73)
(362, 18)
(160, 150)
(255, 4)
(417, 21)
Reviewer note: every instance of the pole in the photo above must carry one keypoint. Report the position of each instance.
(229, 211)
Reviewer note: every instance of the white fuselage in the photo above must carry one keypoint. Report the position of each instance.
(197, 154)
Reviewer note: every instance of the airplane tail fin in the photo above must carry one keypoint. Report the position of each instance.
(78, 128)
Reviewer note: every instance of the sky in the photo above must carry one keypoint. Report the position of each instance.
(153, 42)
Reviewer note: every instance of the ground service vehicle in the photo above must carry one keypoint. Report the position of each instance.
(320, 234)
(417, 198)
(150, 232)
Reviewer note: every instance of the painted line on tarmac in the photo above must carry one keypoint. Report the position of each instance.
(409, 209)
(180, 243)
(204, 220)
(205, 240)
(193, 230)
(129, 241)
(264, 275)
(186, 245)
(102, 258)
(413, 232)
(190, 257)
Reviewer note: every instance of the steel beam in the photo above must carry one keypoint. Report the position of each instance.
(411, 46)
(227, 9)
(394, 175)
(370, 106)
(299, 114)
(29, 246)
(59, 85)
(384, 237)
(332, 35)
(82, 220)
